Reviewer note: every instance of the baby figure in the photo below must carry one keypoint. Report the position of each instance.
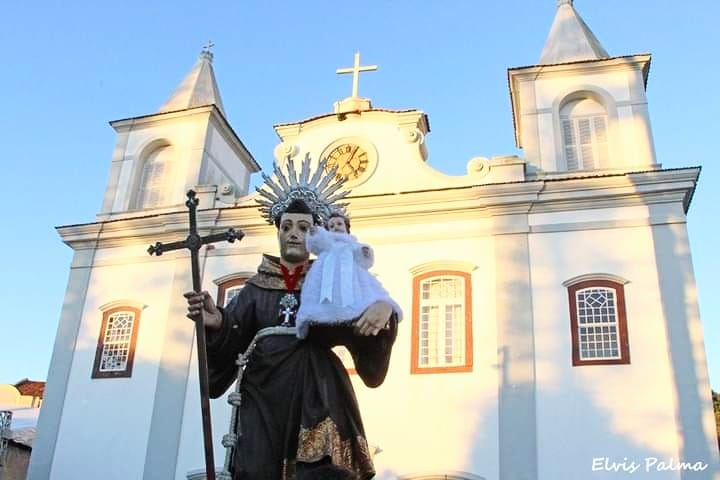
(338, 288)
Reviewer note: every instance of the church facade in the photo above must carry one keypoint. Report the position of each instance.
(551, 328)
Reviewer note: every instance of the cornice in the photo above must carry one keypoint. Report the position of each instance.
(475, 203)
(628, 62)
(156, 118)
(418, 118)
(211, 111)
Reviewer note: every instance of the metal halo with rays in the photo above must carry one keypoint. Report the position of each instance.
(320, 192)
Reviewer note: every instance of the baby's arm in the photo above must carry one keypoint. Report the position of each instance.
(364, 255)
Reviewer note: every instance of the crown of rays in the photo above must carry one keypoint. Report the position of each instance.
(320, 192)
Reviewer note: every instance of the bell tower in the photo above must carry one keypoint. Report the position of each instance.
(187, 143)
(581, 109)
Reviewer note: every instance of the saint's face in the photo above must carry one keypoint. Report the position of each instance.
(336, 224)
(291, 235)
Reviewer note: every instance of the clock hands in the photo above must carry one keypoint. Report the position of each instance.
(352, 155)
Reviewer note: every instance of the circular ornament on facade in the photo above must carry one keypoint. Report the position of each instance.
(478, 166)
(284, 150)
(355, 159)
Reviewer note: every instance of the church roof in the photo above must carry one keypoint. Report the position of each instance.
(570, 38)
(326, 115)
(198, 88)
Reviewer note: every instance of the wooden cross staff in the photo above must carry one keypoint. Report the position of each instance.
(193, 242)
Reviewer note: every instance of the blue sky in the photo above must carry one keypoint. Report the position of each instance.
(71, 68)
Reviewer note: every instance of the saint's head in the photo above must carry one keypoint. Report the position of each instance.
(292, 226)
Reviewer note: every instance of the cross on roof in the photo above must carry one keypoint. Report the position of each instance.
(355, 70)
(208, 46)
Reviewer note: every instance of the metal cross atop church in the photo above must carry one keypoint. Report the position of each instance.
(355, 70)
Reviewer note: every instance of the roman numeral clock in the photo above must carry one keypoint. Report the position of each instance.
(355, 158)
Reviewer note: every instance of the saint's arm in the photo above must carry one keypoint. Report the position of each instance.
(232, 338)
(371, 354)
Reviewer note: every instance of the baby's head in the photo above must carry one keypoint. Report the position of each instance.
(338, 223)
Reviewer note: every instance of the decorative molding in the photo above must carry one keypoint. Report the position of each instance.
(474, 202)
(244, 275)
(457, 265)
(478, 166)
(609, 277)
(123, 303)
(285, 149)
(603, 224)
(414, 136)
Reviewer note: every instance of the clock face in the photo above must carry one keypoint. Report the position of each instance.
(351, 160)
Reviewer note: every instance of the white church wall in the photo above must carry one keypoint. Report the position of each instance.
(435, 422)
(118, 408)
(225, 159)
(639, 212)
(551, 159)
(621, 411)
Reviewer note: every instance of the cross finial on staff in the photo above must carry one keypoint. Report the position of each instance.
(355, 70)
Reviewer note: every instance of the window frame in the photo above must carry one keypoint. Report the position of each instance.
(226, 285)
(623, 340)
(127, 372)
(415, 367)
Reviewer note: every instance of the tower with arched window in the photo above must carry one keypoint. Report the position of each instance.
(188, 143)
(580, 109)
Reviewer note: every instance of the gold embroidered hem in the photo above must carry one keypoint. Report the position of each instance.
(323, 440)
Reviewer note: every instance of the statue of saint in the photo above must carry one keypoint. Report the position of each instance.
(294, 408)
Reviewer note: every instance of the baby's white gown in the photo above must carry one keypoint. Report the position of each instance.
(338, 287)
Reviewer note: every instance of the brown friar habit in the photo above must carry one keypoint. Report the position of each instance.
(298, 405)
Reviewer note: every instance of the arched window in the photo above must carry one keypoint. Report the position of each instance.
(584, 124)
(598, 322)
(116, 344)
(442, 322)
(156, 179)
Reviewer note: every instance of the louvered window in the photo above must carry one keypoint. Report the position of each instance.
(584, 134)
(156, 179)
